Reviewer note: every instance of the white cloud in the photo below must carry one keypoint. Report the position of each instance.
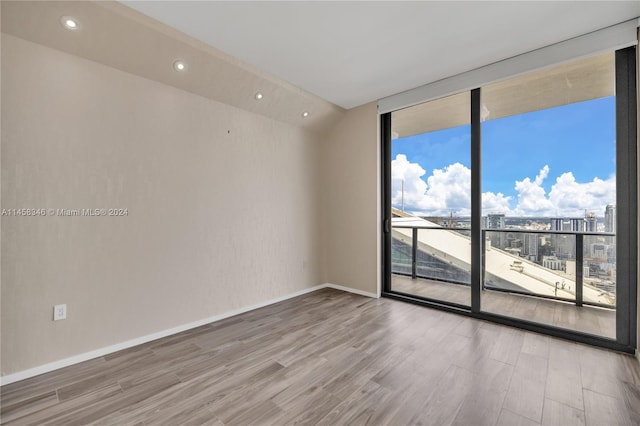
(571, 198)
(414, 187)
(567, 197)
(449, 190)
(496, 203)
(532, 199)
(446, 190)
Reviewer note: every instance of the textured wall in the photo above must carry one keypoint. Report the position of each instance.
(351, 201)
(223, 206)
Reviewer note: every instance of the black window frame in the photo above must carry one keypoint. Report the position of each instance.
(626, 233)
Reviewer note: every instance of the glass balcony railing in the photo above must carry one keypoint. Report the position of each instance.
(436, 253)
(577, 267)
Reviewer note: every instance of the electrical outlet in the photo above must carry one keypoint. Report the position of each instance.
(59, 312)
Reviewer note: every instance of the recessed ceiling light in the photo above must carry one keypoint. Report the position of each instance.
(179, 65)
(70, 23)
(258, 96)
(305, 114)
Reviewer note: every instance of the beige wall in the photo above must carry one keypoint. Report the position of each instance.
(351, 201)
(223, 206)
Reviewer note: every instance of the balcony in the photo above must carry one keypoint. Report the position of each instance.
(559, 278)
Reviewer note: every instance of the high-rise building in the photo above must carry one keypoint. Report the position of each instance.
(555, 224)
(591, 222)
(564, 246)
(530, 246)
(610, 218)
(577, 224)
(495, 221)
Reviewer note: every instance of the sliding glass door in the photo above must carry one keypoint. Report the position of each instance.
(431, 200)
(516, 202)
(549, 196)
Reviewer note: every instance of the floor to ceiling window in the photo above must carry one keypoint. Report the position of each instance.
(516, 201)
(431, 200)
(549, 196)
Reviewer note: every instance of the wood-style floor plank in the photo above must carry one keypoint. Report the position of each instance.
(508, 418)
(27, 406)
(525, 397)
(605, 410)
(555, 413)
(334, 358)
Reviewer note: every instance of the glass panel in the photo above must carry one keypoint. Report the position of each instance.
(431, 199)
(443, 268)
(599, 270)
(530, 264)
(548, 167)
(444, 255)
(401, 254)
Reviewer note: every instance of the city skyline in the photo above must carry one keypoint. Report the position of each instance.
(554, 162)
(588, 223)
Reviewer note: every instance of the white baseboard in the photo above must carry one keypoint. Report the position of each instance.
(352, 290)
(45, 368)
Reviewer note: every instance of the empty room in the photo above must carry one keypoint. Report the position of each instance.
(319, 212)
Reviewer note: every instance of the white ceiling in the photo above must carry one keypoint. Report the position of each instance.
(351, 53)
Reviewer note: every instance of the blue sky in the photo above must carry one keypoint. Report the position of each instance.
(577, 138)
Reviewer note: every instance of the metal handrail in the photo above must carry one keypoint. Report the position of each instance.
(516, 230)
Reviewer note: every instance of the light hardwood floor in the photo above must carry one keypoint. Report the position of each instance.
(332, 358)
(586, 319)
